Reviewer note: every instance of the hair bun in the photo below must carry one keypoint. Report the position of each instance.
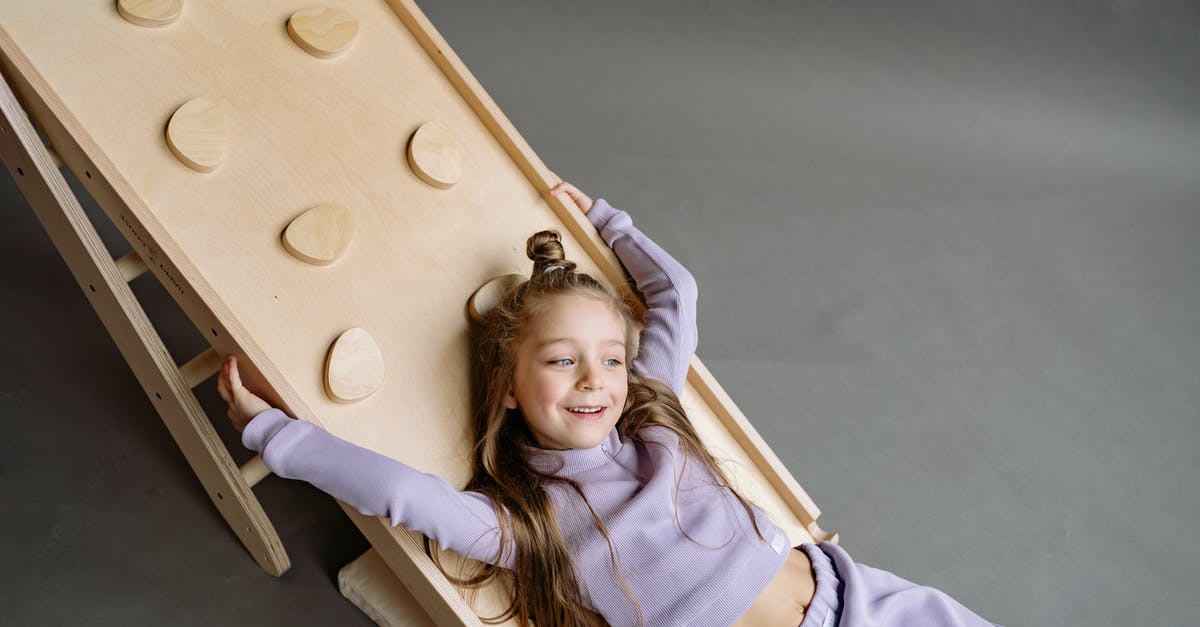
(546, 250)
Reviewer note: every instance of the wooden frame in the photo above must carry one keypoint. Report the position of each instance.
(105, 281)
(207, 298)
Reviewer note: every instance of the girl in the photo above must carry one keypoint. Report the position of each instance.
(591, 492)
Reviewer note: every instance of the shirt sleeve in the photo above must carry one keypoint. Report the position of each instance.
(377, 485)
(670, 335)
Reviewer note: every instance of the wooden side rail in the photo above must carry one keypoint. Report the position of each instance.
(105, 283)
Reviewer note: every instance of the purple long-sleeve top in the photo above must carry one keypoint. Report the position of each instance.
(687, 550)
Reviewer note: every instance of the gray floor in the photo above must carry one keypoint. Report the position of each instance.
(948, 264)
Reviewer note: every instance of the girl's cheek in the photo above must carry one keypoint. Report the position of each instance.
(547, 394)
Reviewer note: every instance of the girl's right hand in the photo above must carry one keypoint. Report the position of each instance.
(243, 404)
(581, 200)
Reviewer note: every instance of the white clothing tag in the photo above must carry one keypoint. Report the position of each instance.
(778, 542)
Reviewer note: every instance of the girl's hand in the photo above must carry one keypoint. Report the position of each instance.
(243, 404)
(581, 200)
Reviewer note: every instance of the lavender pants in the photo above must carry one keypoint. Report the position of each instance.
(856, 595)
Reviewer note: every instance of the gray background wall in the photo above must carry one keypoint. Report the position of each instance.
(948, 266)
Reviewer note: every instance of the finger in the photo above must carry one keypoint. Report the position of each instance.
(580, 198)
(222, 385)
(576, 194)
(234, 378)
(572, 192)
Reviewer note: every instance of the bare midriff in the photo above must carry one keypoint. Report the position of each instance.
(783, 602)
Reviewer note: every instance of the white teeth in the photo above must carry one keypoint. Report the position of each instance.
(584, 410)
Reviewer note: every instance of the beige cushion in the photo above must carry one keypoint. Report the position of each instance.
(371, 586)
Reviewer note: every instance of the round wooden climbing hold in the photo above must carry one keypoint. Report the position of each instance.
(320, 235)
(151, 13)
(354, 367)
(488, 296)
(323, 32)
(434, 155)
(196, 134)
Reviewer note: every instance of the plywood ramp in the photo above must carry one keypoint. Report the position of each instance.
(297, 130)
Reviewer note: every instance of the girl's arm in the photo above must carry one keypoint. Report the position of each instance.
(378, 485)
(669, 338)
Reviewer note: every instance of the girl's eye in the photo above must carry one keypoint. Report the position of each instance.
(559, 362)
(613, 362)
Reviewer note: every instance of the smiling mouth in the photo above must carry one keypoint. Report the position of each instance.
(587, 412)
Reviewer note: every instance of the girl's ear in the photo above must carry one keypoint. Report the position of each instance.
(510, 398)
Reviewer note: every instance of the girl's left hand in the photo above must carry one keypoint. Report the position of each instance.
(243, 404)
(581, 200)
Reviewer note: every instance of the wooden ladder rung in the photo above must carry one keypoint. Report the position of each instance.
(58, 162)
(201, 367)
(131, 266)
(197, 371)
(254, 470)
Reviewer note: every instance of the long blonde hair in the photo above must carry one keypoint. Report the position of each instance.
(542, 580)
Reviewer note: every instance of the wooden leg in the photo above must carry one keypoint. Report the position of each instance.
(104, 283)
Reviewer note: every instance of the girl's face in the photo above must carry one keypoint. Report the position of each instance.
(570, 362)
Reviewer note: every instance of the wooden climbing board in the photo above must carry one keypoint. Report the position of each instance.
(315, 182)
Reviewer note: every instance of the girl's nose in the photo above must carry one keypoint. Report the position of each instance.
(590, 380)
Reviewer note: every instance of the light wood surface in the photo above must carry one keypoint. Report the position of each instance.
(312, 131)
(196, 134)
(105, 285)
(151, 13)
(323, 32)
(320, 235)
(355, 366)
(489, 294)
(130, 265)
(435, 155)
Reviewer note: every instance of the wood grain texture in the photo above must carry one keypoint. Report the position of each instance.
(196, 134)
(150, 13)
(435, 155)
(104, 284)
(323, 32)
(489, 295)
(320, 235)
(354, 368)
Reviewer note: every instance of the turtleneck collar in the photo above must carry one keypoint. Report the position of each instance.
(574, 460)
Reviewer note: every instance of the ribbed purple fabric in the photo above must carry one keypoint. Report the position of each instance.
(857, 595)
(670, 335)
(689, 556)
